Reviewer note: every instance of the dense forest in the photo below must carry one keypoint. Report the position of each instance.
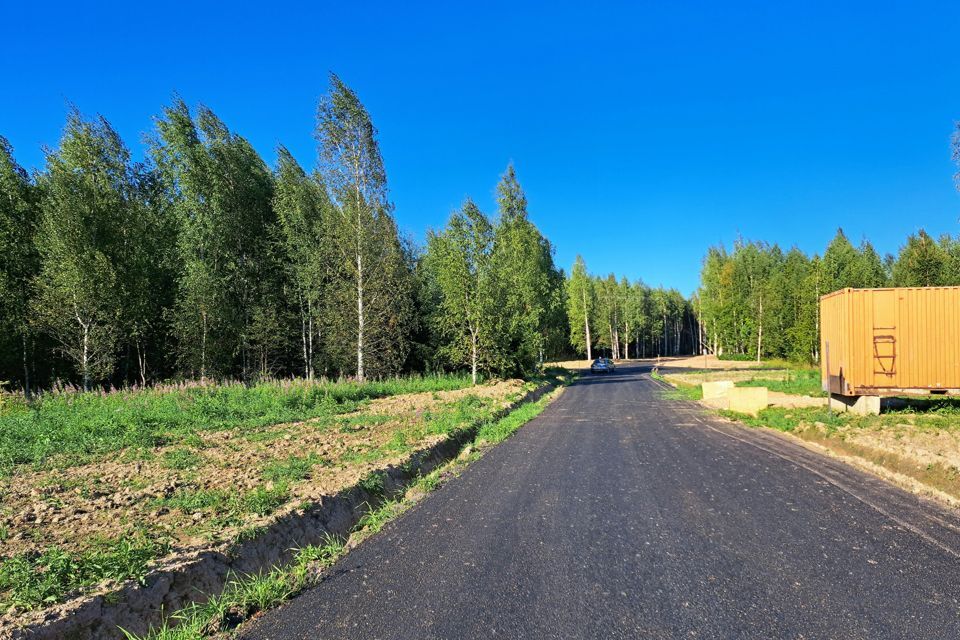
(624, 319)
(758, 300)
(202, 262)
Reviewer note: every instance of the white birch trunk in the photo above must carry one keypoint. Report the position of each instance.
(760, 331)
(586, 326)
(473, 355)
(26, 366)
(85, 361)
(203, 347)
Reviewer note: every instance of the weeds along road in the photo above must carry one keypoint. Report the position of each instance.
(618, 513)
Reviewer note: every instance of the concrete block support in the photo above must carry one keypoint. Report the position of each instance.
(860, 405)
(749, 400)
(717, 389)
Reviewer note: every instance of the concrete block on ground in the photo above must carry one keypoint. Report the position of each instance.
(860, 405)
(717, 389)
(722, 402)
(749, 399)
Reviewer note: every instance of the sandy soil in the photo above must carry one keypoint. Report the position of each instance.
(789, 401)
(685, 362)
(924, 446)
(704, 362)
(69, 507)
(734, 376)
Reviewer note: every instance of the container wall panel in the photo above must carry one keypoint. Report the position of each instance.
(885, 340)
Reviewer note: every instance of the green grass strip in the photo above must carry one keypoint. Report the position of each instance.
(245, 596)
(77, 426)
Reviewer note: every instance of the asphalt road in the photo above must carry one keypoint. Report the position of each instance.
(620, 514)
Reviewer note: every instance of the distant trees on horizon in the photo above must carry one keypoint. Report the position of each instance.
(757, 300)
(201, 261)
(624, 319)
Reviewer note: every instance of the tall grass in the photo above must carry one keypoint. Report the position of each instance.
(801, 382)
(74, 426)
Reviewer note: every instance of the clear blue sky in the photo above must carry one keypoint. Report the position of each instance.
(642, 132)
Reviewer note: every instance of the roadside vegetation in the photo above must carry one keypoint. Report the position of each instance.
(107, 483)
(201, 262)
(69, 427)
(914, 437)
(154, 314)
(758, 301)
(794, 381)
(918, 438)
(681, 390)
(248, 595)
(798, 382)
(624, 319)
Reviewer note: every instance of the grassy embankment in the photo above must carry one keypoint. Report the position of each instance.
(64, 429)
(681, 390)
(797, 382)
(918, 438)
(54, 453)
(247, 595)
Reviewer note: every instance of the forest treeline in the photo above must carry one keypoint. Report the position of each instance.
(203, 262)
(624, 319)
(759, 300)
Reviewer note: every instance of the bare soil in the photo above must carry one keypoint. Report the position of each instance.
(705, 362)
(70, 507)
(925, 463)
(734, 376)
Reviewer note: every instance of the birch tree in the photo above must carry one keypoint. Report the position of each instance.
(221, 192)
(305, 215)
(580, 307)
(374, 283)
(524, 257)
(88, 192)
(460, 262)
(18, 261)
(922, 262)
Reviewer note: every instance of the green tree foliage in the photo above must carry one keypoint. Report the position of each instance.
(924, 262)
(627, 319)
(373, 290)
(108, 266)
(306, 216)
(498, 300)
(18, 263)
(467, 316)
(221, 192)
(89, 211)
(732, 285)
(148, 278)
(846, 266)
(532, 285)
(580, 306)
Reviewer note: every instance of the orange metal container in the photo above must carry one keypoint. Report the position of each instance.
(890, 341)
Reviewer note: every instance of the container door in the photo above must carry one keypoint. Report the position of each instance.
(885, 338)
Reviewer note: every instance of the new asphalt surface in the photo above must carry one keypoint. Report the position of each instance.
(619, 513)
